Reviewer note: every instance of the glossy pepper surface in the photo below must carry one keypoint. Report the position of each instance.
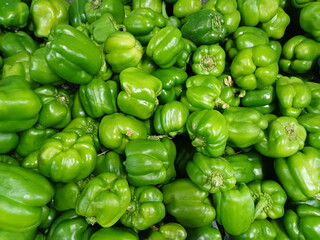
(13, 13)
(309, 20)
(311, 123)
(169, 231)
(94, 9)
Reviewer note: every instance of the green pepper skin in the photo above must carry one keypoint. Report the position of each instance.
(169, 231)
(122, 51)
(117, 129)
(183, 8)
(76, 12)
(147, 64)
(77, 110)
(253, 12)
(115, 233)
(208, 132)
(255, 67)
(293, 96)
(259, 229)
(94, 9)
(145, 209)
(13, 43)
(29, 235)
(298, 174)
(31, 161)
(189, 205)
(104, 199)
(70, 225)
(5, 159)
(235, 209)
(166, 46)
(13, 14)
(8, 142)
(301, 3)
(99, 98)
(211, 174)
(299, 55)
(72, 55)
(280, 230)
(283, 138)
(309, 20)
(56, 107)
(33, 138)
(110, 162)
(150, 162)
(204, 233)
(171, 118)
(24, 195)
(139, 93)
(47, 14)
(154, 5)
(204, 27)
(302, 223)
(19, 106)
(172, 80)
(65, 157)
(65, 196)
(209, 60)
(314, 106)
(311, 122)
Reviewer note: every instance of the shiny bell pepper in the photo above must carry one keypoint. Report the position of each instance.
(5, 159)
(283, 138)
(76, 12)
(145, 209)
(13, 13)
(172, 81)
(185, 56)
(139, 93)
(154, 5)
(211, 174)
(117, 129)
(183, 8)
(56, 107)
(115, 233)
(204, 233)
(77, 110)
(46, 223)
(94, 9)
(280, 230)
(189, 205)
(293, 96)
(31, 161)
(33, 138)
(65, 157)
(65, 196)
(209, 60)
(168, 231)
(314, 106)
(208, 132)
(235, 209)
(147, 64)
(230, 94)
(122, 51)
(72, 55)
(8, 142)
(99, 98)
(204, 27)
(104, 199)
(46, 14)
(70, 223)
(309, 19)
(298, 174)
(110, 162)
(29, 235)
(311, 122)
(150, 162)
(19, 106)
(24, 195)
(171, 118)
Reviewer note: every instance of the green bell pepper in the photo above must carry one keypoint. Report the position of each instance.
(168, 231)
(77, 110)
(145, 209)
(204, 27)
(208, 132)
(280, 230)
(115, 233)
(172, 83)
(104, 199)
(283, 138)
(31, 161)
(211, 174)
(29, 235)
(56, 107)
(299, 54)
(5, 159)
(293, 96)
(46, 223)
(189, 205)
(117, 129)
(154, 5)
(110, 162)
(170, 20)
(235, 209)
(150, 162)
(99, 98)
(46, 14)
(301, 3)
(24, 195)
(13, 13)
(122, 51)
(209, 60)
(311, 122)
(183, 8)
(298, 174)
(204, 233)
(302, 223)
(69, 224)
(65, 196)
(19, 106)
(255, 67)
(147, 64)
(139, 93)
(76, 12)
(94, 9)
(65, 157)
(185, 56)
(309, 19)
(72, 55)
(254, 11)
(314, 106)
(8, 142)
(171, 118)
(33, 138)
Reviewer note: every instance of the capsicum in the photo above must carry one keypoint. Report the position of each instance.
(94, 9)
(309, 19)
(13, 13)
(168, 231)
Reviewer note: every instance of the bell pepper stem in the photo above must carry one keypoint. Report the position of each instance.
(261, 205)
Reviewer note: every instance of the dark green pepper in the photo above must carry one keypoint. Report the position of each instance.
(8, 142)
(309, 19)
(76, 12)
(311, 122)
(13, 13)
(65, 196)
(204, 233)
(110, 162)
